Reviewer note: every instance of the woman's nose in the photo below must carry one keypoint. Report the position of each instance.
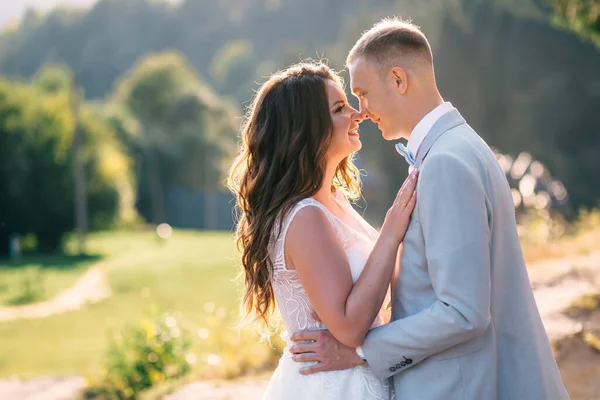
(358, 117)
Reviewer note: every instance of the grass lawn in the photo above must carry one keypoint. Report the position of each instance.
(40, 277)
(183, 274)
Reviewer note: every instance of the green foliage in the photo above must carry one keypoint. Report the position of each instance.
(495, 60)
(228, 59)
(142, 356)
(186, 132)
(110, 187)
(40, 277)
(151, 86)
(29, 288)
(580, 16)
(54, 78)
(37, 124)
(233, 67)
(36, 131)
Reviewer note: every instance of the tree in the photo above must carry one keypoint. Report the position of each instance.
(185, 128)
(37, 126)
(53, 79)
(36, 132)
(580, 16)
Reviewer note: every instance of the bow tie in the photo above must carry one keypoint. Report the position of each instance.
(406, 153)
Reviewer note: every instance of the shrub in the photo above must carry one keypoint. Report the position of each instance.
(150, 353)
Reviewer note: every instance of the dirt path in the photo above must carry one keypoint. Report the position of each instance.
(90, 288)
(42, 388)
(556, 283)
(242, 389)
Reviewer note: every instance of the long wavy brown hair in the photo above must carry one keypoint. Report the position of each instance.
(284, 141)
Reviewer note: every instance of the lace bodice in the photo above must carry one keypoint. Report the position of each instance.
(357, 238)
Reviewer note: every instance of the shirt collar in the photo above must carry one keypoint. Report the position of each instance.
(424, 126)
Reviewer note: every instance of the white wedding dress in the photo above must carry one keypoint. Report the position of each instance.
(357, 238)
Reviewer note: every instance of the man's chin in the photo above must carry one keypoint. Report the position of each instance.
(390, 136)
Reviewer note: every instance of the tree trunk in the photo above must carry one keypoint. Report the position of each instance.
(49, 242)
(4, 242)
(81, 212)
(157, 207)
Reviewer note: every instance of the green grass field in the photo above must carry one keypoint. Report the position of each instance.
(182, 274)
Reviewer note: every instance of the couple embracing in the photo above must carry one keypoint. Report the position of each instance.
(464, 322)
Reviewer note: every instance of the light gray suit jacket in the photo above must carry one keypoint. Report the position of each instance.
(465, 324)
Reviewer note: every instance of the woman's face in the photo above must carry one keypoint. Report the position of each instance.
(345, 139)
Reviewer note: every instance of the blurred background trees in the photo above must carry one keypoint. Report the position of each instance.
(165, 84)
(185, 130)
(38, 122)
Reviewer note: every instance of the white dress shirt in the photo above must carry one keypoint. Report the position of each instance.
(424, 126)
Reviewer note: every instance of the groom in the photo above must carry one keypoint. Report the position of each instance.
(464, 320)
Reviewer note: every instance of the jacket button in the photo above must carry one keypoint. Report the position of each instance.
(393, 369)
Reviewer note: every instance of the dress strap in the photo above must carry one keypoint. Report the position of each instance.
(278, 248)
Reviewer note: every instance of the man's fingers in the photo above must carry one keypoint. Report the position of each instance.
(303, 348)
(309, 335)
(312, 369)
(306, 357)
(301, 336)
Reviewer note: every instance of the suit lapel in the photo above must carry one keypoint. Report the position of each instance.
(447, 121)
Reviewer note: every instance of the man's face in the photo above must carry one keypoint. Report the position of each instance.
(379, 100)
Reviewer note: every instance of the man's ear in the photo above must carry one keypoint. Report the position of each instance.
(400, 79)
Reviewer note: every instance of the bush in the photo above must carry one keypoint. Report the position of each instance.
(152, 352)
(155, 355)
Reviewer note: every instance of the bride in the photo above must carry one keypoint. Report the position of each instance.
(303, 246)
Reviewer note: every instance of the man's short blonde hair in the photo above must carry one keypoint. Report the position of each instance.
(390, 40)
